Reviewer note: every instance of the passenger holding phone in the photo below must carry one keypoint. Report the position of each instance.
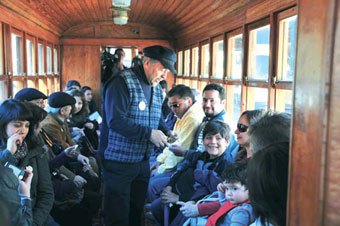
(17, 204)
(19, 149)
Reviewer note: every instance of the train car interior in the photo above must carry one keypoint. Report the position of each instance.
(268, 54)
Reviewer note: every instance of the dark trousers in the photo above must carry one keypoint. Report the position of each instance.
(126, 186)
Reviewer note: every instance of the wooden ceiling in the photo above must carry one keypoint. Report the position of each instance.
(175, 18)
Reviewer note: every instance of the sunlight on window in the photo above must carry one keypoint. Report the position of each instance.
(17, 61)
(30, 57)
(284, 101)
(186, 63)
(218, 58)
(49, 60)
(41, 59)
(234, 64)
(55, 63)
(257, 98)
(205, 61)
(287, 45)
(180, 63)
(3, 90)
(194, 62)
(258, 60)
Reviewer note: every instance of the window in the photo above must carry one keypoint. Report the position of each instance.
(41, 59)
(286, 52)
(217, 60)
(30, 55)
(234, 57)
(55, 61)
(284, 100)
(233, 103)
(186, 63)
(205, 60)
(17, 51)
(17, 85)
(49, 60)
(194, 62)
(258, 59)
(3, 90)
(180, 63)
(257, 98)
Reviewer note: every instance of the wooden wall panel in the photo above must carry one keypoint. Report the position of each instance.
(314, 160)
(238, 14)
(110, 30)
(139, 43)
(22, 23)
(81, 60)
(82, 63)
(332, 190)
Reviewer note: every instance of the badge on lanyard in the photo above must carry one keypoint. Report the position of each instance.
(141, 105)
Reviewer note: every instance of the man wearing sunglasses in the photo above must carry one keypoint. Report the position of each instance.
(132, 125)
(189, 113)
(214, 100)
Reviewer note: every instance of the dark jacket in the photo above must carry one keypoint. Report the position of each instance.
(41, 187)
(20, 212)
(192, 181)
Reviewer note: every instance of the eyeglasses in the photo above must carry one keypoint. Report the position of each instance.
(175, 105)
(242, 128)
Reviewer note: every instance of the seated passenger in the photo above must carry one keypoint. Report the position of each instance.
(267, 175)
(213, 104)
(31, 95)
(89, 99)
(189, 115)
(246, 119)
(15, 198)
(72, 84)
(19, 124)
(199, 174)
(80, 125)
(233, 206)
(271, 127)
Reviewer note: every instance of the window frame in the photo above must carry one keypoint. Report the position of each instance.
(56, 73)
(50, 45)
(192, 75)
(20, 33)
(186, 50)
(212, 57)
(229, 35)
(42, 42)
(201, 44)
(180, 63)
(281, 84)
(250, 27)
(34, 57)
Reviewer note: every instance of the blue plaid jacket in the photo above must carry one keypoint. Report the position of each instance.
(128, 150)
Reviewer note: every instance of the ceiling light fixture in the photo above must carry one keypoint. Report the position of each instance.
(121, 3)
(119, 11)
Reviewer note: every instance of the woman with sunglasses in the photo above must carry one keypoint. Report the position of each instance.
(246, 119)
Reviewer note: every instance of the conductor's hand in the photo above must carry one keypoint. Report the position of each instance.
(158, 138)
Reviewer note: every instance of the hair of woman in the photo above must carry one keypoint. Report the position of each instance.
(12, 110)
(39, 115)
(267, 175)
(77, 93)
